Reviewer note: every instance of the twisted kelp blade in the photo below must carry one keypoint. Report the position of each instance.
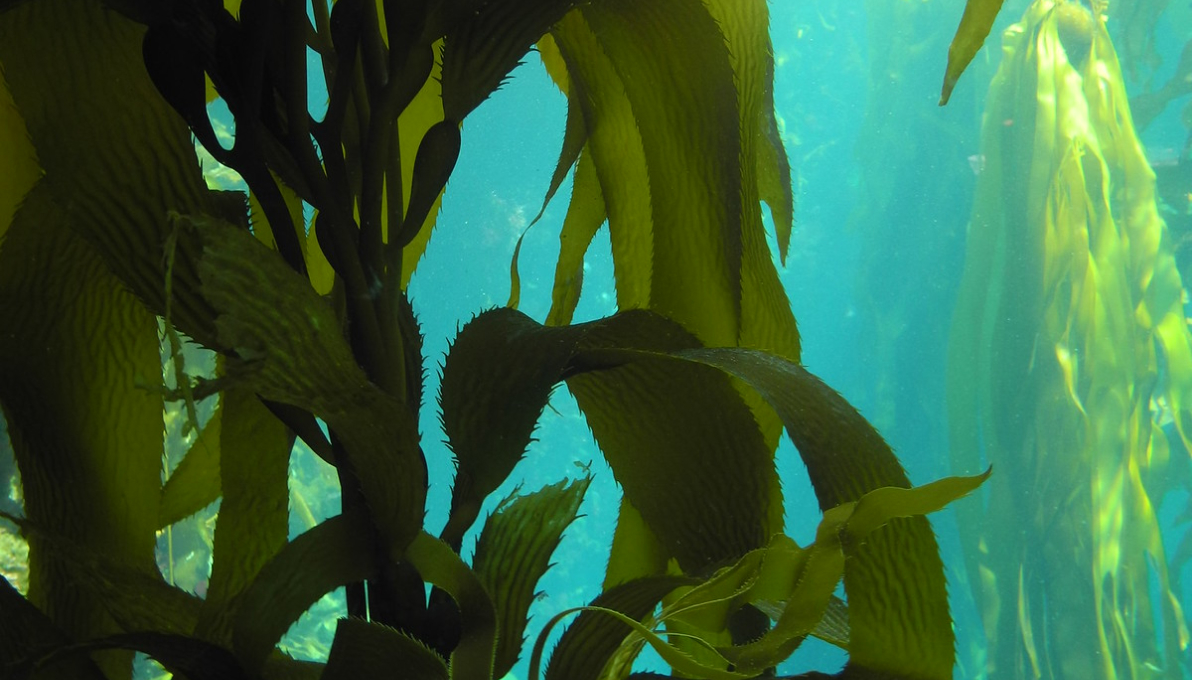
(254, 515)
(661, 423)
(363, 649)
(513, 552)
(290, 349)
(497, 379)
(475, 654)
(334, 553)
(585, 213)
(76, 360)
(975, 25)
(26, 632)
(673, 63)
(898, 609)
(591, 640)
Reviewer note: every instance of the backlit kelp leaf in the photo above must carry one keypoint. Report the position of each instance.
(592, 639)
(363, 649)
(513, 552)
(79, 359)
(254, 515)
(898, 609)
(290, 349)
(336, 552)
(443, 568)
(194, 484)
(615, 144)
(118, 164)
(975, 25)
(662, 423)
(672, 61)
(496, 381)
(27, 632)
(484, 41)
(585, 213)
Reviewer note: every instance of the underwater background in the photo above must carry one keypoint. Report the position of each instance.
(885, 181)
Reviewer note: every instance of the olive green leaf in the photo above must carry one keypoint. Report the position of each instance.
(898, 608)
(496, 381)
(254, 515)
(364, 649)
(26, 632)
(440, 566)
(975, 25)
(514, 551)
(117, 194)
(194, 484)
(333, 553)
(484, 41)
(661, 422)
(585, 213)
(78, 391)
(180, 654)
(290, 349)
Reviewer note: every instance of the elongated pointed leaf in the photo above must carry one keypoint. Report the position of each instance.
(975, 25)
(195, 482)
(334, 553)
(254, 515)
(592, 639)
(25, 632)
(585, 214)
(513, 552)
(370, 650)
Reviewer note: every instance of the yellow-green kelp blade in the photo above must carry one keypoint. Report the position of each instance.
(975, 25)
(76, 358)
(592, 639)
(658, 421)
(585, 213)
(898, 607)
(514, 551)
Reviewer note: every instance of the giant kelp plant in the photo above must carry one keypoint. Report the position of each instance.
(114, 247)
(1070, 368)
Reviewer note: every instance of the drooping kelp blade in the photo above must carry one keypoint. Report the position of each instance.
(19, 170)
(24, 628)
(365, 649)
(86, 427)
(1069, 336)
(975, 25)
(116, 156)
(661, 423)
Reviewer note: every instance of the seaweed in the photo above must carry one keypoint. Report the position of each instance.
(112, 241)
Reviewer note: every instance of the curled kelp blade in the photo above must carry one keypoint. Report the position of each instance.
(662, 423)
(365, 649)
(513, 552)
(975, 25)
(591, 640)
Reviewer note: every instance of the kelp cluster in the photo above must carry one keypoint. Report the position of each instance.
(114, 248)
(1070, 368)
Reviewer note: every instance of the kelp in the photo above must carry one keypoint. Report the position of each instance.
(1070, 366)
(111, 235)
